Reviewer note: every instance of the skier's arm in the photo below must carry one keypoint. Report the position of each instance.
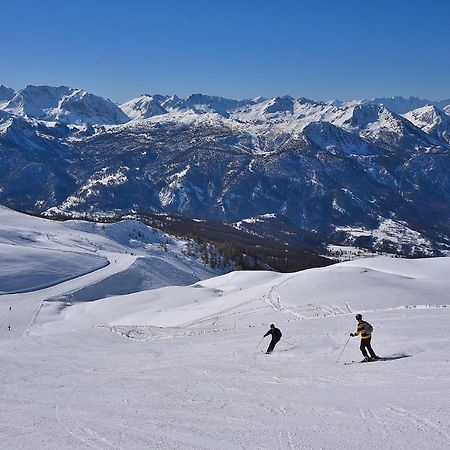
(267, 334)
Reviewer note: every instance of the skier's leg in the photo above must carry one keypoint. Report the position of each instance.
(271, 346)
(369, 347)
(362, 347)
(275, 342)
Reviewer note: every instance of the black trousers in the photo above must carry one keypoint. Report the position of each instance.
(272, 344)
(365, 345)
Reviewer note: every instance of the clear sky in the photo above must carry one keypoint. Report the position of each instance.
(321, 49)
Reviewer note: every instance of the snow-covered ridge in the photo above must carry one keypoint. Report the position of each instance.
(432, 120)
(75, 106)
(144, 107)
(319, 165)
(65, 105)
(6, 94)
(401, 105)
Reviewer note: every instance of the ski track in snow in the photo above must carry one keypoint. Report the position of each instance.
(274, 300)
(423, 424)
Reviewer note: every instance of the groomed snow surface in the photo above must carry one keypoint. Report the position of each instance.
(179, 367)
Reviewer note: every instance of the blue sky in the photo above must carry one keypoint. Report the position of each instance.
(321, 49)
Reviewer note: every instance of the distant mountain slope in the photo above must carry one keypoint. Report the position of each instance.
(401, 105)
(328, 168)
(432, 120)
(64, 105)
(6, 94)
(143, 107)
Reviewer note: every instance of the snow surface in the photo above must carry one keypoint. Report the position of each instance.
(20, 271)
(431, 120)
(68, 261)
(63, 104)
(182, 367)
(143, 107)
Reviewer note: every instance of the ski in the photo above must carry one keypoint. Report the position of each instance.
(386, 358)
(363, 362)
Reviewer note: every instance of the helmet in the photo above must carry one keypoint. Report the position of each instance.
(272, 325)
(358, 316)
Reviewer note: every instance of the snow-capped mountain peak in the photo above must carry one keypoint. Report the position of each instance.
(319, 165)
(6, 94)
(363, 115)
(64, 104)
(144, 106)
(327, 136)
(280, 105)
(36, 101)
(208, 103)
(401, 105)
(432, 120)
(80, 107)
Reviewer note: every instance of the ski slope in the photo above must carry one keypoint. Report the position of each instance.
(213, 389)
(25, 307)
(365, 285)
(44, 260)
(183, 367)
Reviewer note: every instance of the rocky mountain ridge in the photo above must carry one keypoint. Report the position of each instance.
(353, 173)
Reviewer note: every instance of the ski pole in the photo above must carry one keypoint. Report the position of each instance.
(343, 349)
(286, 342)
(260, 342)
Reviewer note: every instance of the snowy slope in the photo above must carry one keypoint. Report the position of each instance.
(402, 105)
(80, 107)
(6, 94)
(78, 261)
(182, 367)
(373, 284)
(431, 120)
(36, 101)
(35, 253)
(143, 107)
(65, 105)
(20, 271)
(109, 378)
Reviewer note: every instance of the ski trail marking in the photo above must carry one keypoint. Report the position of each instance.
(27, 331)
(274, 300)
(289, 440)
(218, 317)
(79, 430)
(68, 428)
(418, 421)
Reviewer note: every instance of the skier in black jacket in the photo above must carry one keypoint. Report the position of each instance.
(276, 336)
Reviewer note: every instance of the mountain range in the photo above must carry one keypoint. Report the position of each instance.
(367, 173)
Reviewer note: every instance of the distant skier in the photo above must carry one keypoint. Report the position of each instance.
(10, 308)
(365, 330)
(276, 336)
(9, 327)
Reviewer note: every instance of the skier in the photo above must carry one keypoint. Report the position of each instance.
(10, 308)
(365, 330)
(9, 327)
(276, 336)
